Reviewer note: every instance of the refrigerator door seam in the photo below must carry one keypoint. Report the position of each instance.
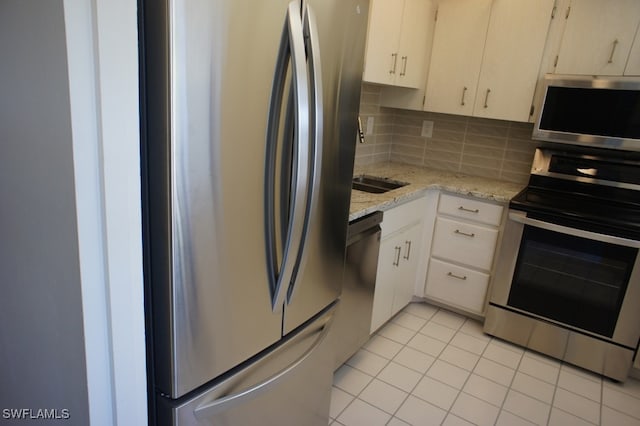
(292, 42)
(316, 138)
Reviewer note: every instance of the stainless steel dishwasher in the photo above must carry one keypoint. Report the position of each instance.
(353, 319)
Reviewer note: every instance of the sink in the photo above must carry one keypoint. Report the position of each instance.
(375, 184)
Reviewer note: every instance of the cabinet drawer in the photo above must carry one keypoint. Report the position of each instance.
(476, 210)
(403, 216)
(465, 243)
(456, 285)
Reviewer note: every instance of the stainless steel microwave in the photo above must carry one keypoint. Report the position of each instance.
(590, 110)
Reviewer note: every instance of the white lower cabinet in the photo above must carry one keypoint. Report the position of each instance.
(398, 261)
(462, 252)
(451, 283)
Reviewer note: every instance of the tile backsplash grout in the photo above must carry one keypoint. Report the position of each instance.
(496, 149)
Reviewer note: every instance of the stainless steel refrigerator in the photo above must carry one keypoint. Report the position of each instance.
(249, 117)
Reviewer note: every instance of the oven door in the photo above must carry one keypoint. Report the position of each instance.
(582, 280)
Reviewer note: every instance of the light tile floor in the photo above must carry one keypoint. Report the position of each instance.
(429, 366)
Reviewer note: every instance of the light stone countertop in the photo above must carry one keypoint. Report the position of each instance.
(421, 179)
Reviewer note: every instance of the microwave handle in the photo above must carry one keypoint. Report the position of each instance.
(521, 217)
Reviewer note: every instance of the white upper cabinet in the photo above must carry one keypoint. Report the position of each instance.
(598, 37)
(486, 57)
(512, 57)
(456, 55)
(633, 64)
(414, 42)
(398, 42)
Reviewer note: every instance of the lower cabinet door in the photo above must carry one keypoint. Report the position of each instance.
(410, 243)
(389, 261)
(457, 286)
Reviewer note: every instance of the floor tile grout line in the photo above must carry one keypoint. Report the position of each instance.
(619, 411)
(415, 332)
(525, 353)
(465, 383)
(509, 387)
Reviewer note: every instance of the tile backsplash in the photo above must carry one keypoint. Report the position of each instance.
(475, 146)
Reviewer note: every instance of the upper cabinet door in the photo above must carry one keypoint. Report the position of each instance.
(633, 64)
(456, 56)
(381, 59)
(417, 20)
(512, 56)
(598, 37)
(398, 42)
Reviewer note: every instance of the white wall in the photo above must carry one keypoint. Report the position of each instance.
(103, 74)
(42, 356)
(71, 311)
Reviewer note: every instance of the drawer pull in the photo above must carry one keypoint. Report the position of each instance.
(398, 251)
(452, 275)
(457, 231)
(469, 210)
(407, 244)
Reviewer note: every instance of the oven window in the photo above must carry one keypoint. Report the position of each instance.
(575, 281)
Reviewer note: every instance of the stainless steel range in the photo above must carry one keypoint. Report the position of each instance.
(568, 280)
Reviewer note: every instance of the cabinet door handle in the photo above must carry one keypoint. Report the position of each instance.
(464, 92)
(457, 231)
(407, 244)
(404, 66)
(486, 99)
(452, 275)
(398, 251)
(613, 50)
(394, 56)
(469, 210)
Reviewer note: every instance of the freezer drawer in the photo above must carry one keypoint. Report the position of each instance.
(290, 384)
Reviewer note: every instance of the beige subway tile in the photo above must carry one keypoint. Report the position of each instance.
(521, 125)
(365, 149)
(370, 99)
(450, 157)
(407, 159)
(384, 139)
(495, 131)
(382, 148)
(488, 141)
(522, 145)
(370, 88)
(410, 150)
(520, 156)
(515, 177)
(406, 130)
(482, 150)
(445, 145)
(441, 165)
(489, 122)
(516, 167)
(409, 140)
(449, 117)
(492, 173)
(452, 126)
(382, 157)
(406, 120)
(517, 132)
(482, 161)
(368, 109)
(447, 135)
(383, 129)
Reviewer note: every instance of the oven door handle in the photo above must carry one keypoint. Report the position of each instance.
(521, 217)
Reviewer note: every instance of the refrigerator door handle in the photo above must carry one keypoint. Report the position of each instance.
(292, 43)
(316, 136)
(212, 408)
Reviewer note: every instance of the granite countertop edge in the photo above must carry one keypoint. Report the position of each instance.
(420, 180)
